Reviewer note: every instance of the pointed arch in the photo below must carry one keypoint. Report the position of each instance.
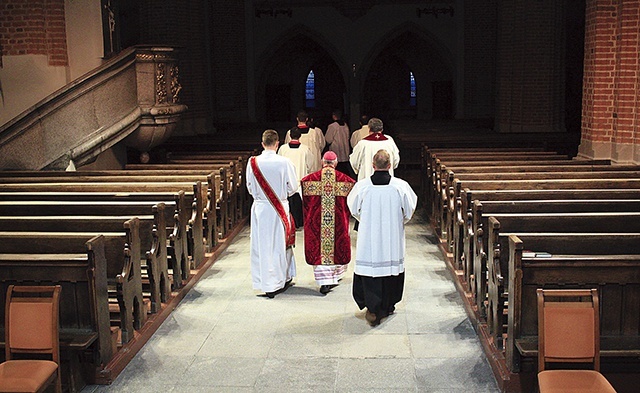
(386, 69)
(283, 68)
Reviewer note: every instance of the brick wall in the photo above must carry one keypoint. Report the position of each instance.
(479, 58)
(610, 89)
(32, 27)
(530, 66)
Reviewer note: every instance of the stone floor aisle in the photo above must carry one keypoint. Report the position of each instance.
(225, 337)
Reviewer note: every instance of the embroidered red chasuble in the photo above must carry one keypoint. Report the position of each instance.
(326, 217)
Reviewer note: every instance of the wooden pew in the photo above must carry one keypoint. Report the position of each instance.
(176, 231)
(193, 215)
(617, 278)
(456, 206)
(85, 335)
(154, 245)
(122, 259)
(490, 283)
(443, 186)
(226, 197)
(215, 197)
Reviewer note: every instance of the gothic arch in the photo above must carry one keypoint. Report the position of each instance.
(408, 48)
(281, 71)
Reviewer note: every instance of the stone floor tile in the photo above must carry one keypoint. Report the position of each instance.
(354, 374)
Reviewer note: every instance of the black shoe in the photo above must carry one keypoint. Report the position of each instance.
(270, 295)
(324, 289)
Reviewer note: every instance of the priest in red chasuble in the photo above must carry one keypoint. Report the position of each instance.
(327, 245)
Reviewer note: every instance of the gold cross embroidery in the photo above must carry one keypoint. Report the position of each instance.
(328, 189)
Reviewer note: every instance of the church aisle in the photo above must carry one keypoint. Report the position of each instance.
(225, 337)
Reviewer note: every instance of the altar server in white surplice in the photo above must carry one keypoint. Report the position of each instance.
(303, 160)
(383, 204)
(365, 149)
(270, 180)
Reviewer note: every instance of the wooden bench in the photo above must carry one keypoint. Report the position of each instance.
(86, 340)
(470, 219)
(442, 193)
(617, 278)
(224, 199)
(456, 205)
(154, 244)
(492, 267)
(123, 258)
(192, 215)
(176, 225)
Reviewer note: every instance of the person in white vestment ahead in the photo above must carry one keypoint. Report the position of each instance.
(361, 132)
(338, 139)
(366, 148)
(383, 204)
(302, 160)
(311, 137)
(270, 180)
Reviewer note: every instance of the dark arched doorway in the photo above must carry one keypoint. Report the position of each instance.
(282, 81)
(387, 86)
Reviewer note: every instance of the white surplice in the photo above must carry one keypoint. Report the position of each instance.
(301, 158)
(314, 140)
(359, 134)
(362, 157)
(382, 211)
(272, 264)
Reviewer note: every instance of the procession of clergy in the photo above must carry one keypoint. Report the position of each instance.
(296, 186)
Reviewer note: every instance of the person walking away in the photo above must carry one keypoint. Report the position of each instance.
(270, 180)
(338, 139)
(302, 160)
(311, 137)
(383, 204)
(327, 244)
(361, 132)
(364, 151)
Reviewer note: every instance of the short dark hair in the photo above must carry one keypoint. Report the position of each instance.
(302, 116)
(295, 133)
(270, 137)
(364, 119)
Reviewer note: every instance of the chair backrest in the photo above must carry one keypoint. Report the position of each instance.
(568, 327)
(32, 320)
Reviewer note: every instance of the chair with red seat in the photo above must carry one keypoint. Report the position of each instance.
(31, 327)
(569, 332)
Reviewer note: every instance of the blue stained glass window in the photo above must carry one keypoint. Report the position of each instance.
(310, 91)
(412, 87)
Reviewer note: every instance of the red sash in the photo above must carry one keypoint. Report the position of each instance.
(289, 225)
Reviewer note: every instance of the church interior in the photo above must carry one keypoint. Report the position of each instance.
(125, 132)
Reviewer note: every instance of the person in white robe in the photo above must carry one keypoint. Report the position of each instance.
(311, 136)
(338, 139)
(364, 151)
(302, 160)
(272, 261)
(361, 132)
(383, 204)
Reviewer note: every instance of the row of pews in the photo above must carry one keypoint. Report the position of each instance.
(123, 244)
(512, 220)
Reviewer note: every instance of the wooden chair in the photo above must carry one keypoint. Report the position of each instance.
(31, 327)
(569, 332)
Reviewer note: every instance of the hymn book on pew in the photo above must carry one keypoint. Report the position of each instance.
(535, 254)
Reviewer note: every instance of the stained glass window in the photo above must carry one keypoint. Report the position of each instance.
(310, 91)
(412, 88)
